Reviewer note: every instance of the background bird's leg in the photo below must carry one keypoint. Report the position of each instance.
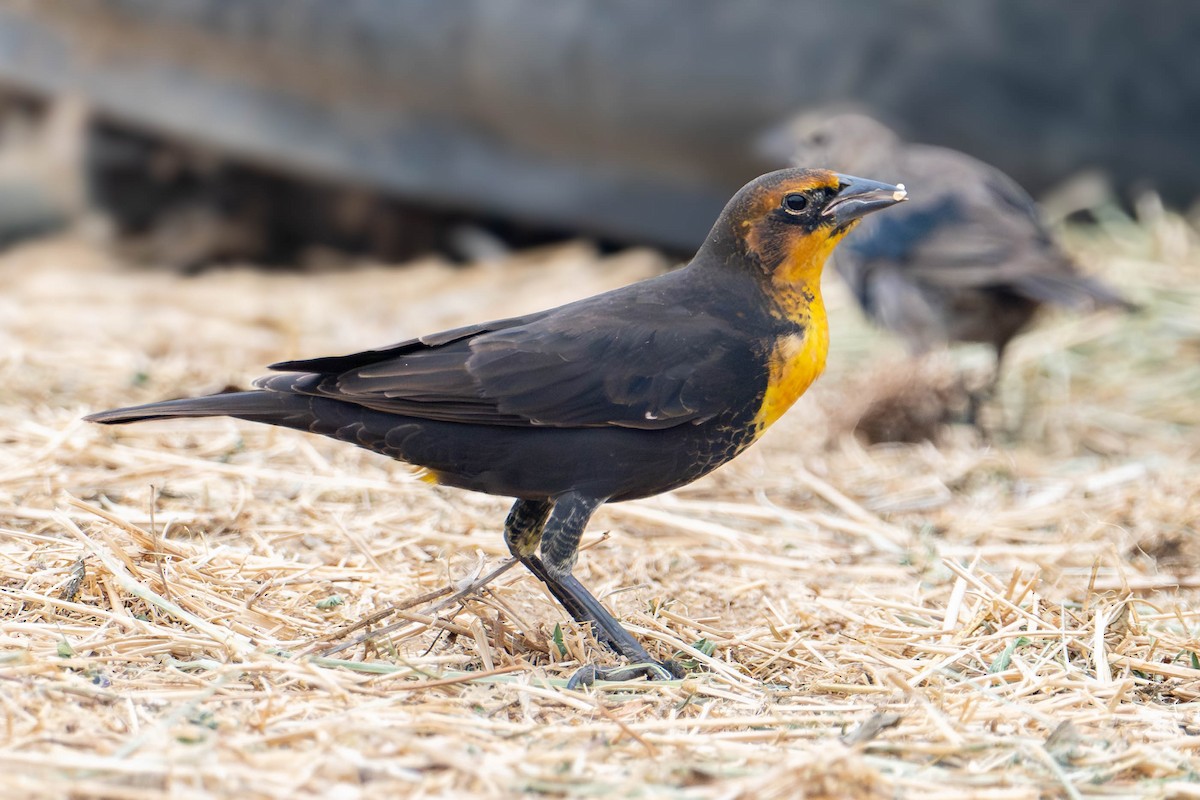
(558, 527)
(980, 393)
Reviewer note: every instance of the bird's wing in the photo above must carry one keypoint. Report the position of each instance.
(639, 365)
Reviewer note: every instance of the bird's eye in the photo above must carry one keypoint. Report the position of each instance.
(795, 203)
(819, 139)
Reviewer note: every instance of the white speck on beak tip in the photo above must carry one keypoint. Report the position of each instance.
(900, 193)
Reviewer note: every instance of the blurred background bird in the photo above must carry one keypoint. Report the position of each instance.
(968, 259)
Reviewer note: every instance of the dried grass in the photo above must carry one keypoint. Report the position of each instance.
(1011, 620)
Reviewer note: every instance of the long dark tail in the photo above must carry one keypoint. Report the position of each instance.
(275, 408)
(392, 435)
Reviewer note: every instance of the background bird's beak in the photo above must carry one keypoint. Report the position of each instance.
(858, 197)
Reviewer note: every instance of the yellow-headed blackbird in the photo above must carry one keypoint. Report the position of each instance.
(622, 395)
(969, 260)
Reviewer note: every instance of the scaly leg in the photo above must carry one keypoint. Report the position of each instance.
(556, 526)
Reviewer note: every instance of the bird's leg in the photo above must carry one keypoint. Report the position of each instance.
(557, 527)
(980, 396)
(584, 607)
(523, 533)
(560, 549)
(523, 528)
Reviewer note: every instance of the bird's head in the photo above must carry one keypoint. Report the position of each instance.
(845, 141)
(783, 225)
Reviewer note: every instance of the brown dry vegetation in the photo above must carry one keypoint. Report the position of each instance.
(1011, 619)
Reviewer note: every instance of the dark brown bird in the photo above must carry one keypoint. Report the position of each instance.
(969, 260)
(622, 395)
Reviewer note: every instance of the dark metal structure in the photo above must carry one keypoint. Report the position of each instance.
(626, 118)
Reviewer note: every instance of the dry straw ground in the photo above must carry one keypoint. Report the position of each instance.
(1007, 620)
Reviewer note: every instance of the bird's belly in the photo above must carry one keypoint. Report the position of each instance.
(614, 463)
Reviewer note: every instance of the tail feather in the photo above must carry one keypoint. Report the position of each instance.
(274, 407)
(1077, 292)
(392, 435)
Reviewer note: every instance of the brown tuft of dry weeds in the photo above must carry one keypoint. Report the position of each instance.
(1007, 619)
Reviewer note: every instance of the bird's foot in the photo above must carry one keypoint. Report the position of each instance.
(669, 670)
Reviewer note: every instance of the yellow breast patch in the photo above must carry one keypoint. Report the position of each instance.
(795, 362)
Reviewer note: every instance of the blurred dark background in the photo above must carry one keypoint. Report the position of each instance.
(254, 129)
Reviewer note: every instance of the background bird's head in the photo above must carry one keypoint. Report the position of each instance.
(783, 225)
(846, 141)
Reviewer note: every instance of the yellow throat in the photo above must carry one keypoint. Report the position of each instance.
(798, 359)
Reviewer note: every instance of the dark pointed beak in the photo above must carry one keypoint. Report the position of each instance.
(858, 197)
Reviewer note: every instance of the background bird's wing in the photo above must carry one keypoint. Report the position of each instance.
(648, 365)
(969, 225)
(988, 233)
